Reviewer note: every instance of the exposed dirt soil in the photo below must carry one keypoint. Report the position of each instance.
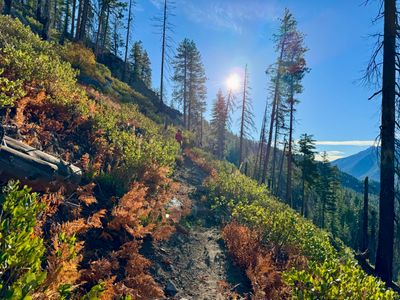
(193, 263)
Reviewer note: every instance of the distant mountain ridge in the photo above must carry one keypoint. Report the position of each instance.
(362, 164)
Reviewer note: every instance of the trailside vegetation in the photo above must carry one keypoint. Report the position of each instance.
(283, 253)
(82, 244)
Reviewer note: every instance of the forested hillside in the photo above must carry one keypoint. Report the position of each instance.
(165, 203)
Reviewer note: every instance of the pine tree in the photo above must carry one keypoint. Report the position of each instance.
(218, 125)
(327, 187)
(136, 60)
(189, 89)
(308, 168)
(146, 69)
(288, 26)
(180, 77)
(295, 69)
(247, 116)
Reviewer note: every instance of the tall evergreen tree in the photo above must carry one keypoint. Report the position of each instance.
(189, 89)
(146, 73)
(308, 168)
(295, 69)
(327, 188)
(218, 125)
(287, 27)
(136, 59)
(180, 77)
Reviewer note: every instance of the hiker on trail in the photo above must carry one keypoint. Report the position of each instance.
(179, 137)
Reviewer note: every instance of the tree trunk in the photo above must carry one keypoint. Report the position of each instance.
(66, 20)
(303, 193)
(260, 156)
(364, 244)
(99, 27)
(7, 7)
(73, 18)
(39, 10)
(279, 185)
(289, 156)
(242, 118)
(201, 129)
(36, 168)
(384, 256)
(163, 55)
(79, 19)
(84, 20)
(273, 114)
(372, 237)
(127, 41)
(275, 148)
(46, 20)
(189, 116)
(103, 44)
(185, 118)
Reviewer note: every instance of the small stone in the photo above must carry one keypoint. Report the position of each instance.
(170, 289)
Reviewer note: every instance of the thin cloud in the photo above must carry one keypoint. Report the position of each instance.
(157, 3)
(346, 143)
(233, 15)
(331, 155)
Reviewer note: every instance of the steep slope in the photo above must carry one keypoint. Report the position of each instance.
(362, 164)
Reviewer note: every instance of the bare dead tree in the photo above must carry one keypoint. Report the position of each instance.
(383, 73)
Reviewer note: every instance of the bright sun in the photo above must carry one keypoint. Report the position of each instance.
(233, 82)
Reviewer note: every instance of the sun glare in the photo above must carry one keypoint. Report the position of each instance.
(233, 82)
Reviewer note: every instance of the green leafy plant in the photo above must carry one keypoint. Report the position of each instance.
(326, 271)
(21, 250)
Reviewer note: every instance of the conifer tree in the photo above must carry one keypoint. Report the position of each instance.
(327, 190)
(189, 89)
(288, 26)
(218, 125)
(295, 69)
(308, 168)
(136, 59)
(146, 74)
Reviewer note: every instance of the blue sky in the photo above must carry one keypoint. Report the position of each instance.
(334, 106)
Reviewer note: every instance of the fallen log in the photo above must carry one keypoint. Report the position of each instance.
(40, 170)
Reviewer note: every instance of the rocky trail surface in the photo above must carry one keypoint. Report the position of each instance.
(193, 263)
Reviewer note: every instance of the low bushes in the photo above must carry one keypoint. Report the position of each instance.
(270, 236)
(82, 245)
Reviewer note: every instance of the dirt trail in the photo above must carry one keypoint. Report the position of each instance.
(194, 264)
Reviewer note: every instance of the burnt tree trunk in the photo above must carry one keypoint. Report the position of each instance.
(364, 241)
(73, 18)
(7, 7)
(279, 185)
(384, 255)
(127, 41)
(46, 21)
(289, 155)
(242, 119)
(163, 55)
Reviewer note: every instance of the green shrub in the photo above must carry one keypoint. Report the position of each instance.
(21, 251)
(330, 272)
